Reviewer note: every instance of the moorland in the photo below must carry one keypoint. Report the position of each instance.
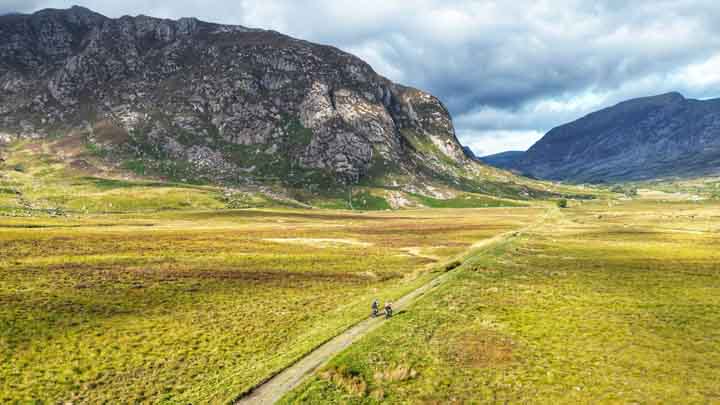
(603, 302)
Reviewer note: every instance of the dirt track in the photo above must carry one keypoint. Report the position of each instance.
(276, 387)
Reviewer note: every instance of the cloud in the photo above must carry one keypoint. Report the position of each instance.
(506, 70)
(13, 6)
(485, 143)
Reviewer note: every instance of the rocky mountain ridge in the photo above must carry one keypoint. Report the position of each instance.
(218, 102)
(662, 136)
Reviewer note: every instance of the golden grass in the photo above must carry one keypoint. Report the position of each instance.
(200, 306)
(602, 304)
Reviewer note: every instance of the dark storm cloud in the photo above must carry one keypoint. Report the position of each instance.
(507, 70)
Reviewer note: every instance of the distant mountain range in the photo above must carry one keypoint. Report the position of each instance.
(662, 136)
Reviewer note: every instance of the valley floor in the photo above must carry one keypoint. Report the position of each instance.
(604, 303)
(610, 301)
(201, 306)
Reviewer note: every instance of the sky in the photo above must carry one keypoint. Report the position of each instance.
(509, 71)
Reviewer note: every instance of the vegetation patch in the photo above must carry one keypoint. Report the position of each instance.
(346, 380)
(453, 265)
(478, 349)
(96, 149)
(568, 312)
(172, 306)
(366, 201)
(465, 201)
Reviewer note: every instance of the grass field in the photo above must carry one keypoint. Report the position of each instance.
(117, 289)
(603, 303)
(199, 306)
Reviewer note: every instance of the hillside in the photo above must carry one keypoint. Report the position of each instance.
(665, 136)
(503, 160)
(191, 101)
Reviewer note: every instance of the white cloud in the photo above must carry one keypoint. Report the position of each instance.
(485, 143)
(701, 75)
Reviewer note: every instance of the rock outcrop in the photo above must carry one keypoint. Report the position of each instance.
(226, 102)
(647, 138)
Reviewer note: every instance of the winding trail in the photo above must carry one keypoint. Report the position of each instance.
(273, 389)
(277, 386)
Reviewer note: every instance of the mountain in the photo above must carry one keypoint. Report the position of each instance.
(645, 138)
(197, 100)
(503, 160)
(469, 153)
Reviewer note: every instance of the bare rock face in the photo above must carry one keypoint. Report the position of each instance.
(646, 138)
(228, 101)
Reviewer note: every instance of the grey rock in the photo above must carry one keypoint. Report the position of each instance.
(220, 98)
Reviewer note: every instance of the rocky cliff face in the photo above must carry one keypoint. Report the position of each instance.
(223, 102)
(647, 138)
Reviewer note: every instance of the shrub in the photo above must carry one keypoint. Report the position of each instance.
(627, 191)
(368, 202)
(562, 203)
(452, 265)
(96, 150)
(135, 166)
(19, 168)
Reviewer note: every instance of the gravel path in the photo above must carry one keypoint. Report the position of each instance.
(276, 387)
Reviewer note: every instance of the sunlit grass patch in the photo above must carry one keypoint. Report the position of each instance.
(577, 310)
(199, 306)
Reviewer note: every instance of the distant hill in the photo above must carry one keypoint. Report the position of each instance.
(503, 160)
(646, 138)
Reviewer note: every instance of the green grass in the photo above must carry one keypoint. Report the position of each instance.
(49, 183)
(136, 166)
(96, 149)
(199, 306)
(466, 201)
(366, 201)
(599, 305)
(161, 292)
(52, 183)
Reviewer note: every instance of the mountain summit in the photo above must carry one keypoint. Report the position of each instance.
(645, 138)
(217, 102)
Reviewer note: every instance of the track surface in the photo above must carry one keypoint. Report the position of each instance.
(276, 387)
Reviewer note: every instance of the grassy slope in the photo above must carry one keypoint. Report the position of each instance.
(66, 175)
(189, 307)
(705, 187)
(36, 179)
(611, 305)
